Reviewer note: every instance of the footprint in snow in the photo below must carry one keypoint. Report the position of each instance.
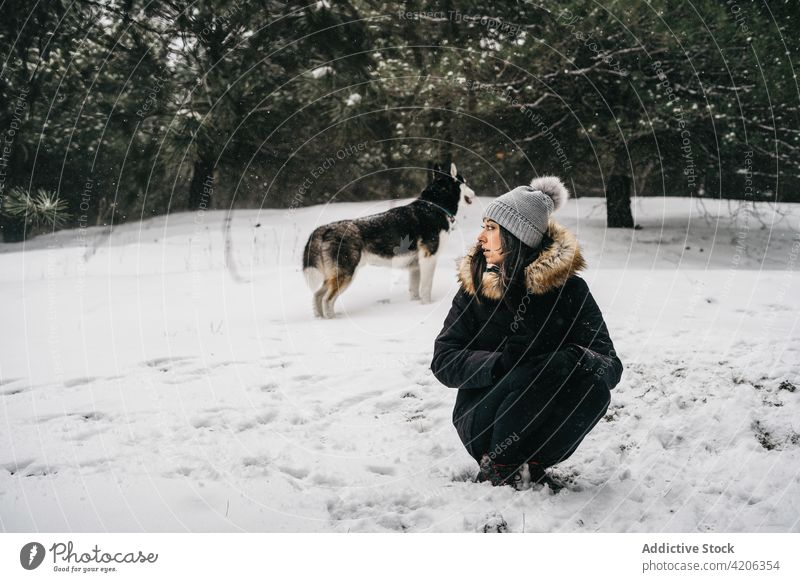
(259, 465)
(99, 463)
(266, 417)
(209, 422)
(90, 416)
(38, 470)
(279, 364)
(166, 364)
(79, 382)
(261, 461)
(199, 472)
(298, 419)
(306, 378)
(382, 470)
(327, 480)
(14, 467)
(296, 472)
(15, 390)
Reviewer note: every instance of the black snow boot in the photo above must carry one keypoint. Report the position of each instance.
(542, 477)
(499, 474)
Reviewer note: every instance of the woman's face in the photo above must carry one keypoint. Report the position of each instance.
(489, 241)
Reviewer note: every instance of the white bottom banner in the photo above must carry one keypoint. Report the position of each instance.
(119, 557)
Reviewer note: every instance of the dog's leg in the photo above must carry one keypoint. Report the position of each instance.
(331, 292)
(335, 287)
(413, 280)
(427, 266)
(318, 297)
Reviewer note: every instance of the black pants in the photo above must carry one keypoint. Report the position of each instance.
(519, 420)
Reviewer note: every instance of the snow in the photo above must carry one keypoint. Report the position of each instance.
(320, 72)
(353, 99)
(144, 388)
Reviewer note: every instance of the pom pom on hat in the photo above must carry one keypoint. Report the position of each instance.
(553, 187)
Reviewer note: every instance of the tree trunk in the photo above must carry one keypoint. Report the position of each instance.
(202, 186)
(618, 202)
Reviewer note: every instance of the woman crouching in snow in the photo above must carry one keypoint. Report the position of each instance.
(525, 342)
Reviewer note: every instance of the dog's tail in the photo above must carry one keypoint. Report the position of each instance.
(313, 260)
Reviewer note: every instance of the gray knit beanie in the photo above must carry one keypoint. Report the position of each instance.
(526, 210)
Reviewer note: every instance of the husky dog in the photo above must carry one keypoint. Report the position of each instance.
(408, 237)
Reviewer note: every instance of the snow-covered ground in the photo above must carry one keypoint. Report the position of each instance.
(144, 387)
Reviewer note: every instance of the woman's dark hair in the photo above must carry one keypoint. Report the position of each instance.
(518, 255)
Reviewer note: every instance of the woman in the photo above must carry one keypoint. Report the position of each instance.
(525, 342)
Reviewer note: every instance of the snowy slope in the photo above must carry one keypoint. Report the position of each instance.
(144, 387)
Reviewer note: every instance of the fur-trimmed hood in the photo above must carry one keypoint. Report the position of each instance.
(556, 263)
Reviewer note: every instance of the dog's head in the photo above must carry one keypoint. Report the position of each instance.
(447, 187)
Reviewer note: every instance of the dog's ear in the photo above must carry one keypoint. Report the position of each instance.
(446, 166)
(433, 172)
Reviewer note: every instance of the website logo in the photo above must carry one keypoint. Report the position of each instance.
(31, 555)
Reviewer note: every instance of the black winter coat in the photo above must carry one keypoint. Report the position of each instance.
(558, 310)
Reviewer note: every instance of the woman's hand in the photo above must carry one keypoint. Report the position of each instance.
(516, 350)
(513, 350)
(557, 366)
